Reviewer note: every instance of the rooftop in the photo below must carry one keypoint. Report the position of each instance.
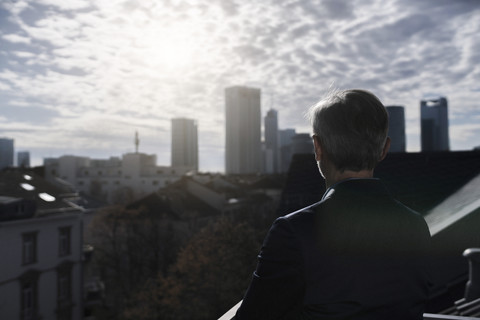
(17, 184)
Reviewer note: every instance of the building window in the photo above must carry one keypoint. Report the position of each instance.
(28, 300)
(155, 182)
(64, 285)
(29, 296)
(64, 241)
(29, 252)
(64, 291)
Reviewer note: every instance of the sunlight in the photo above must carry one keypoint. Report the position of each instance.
(173, 48)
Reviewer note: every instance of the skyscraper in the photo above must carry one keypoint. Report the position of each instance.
(242, 130)
(271, 142)
(434, 126)
(396, 128)
(6, 153)
(184, 143)
(286, 148)
(23, 159)
(302, 143)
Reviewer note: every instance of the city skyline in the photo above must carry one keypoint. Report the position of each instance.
(80, 77)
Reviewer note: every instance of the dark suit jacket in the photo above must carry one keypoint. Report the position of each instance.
(357, 254)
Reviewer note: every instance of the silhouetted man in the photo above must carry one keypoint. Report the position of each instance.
(356, 254)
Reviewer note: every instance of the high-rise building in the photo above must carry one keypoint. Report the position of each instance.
(285, 143)
(302, 143)
(242, 131)
(396, 128)
(23, 159)
(6, 153)
(184, 143)
(271, 142)
(434, 124)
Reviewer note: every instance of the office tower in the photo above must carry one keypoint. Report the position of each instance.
(396, 128)
(242, 130)
(271, 142)
(434, 124)
(285, 143)
(184, 143)
(286, 136)
(23, 159)
(6, 153)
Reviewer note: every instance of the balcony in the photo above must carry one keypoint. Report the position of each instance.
(463, 309)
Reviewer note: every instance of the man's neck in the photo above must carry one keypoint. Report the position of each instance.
(337, 176)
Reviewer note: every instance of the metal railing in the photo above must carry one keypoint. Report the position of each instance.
(426, 316)
(431, 316)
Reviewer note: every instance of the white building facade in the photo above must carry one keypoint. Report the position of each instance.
(41, 249)
(40, 276)
(133, 176)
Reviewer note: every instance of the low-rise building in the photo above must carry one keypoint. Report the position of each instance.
(116, 180)
(41, 249)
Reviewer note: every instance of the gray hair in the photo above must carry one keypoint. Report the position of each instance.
(352, 127)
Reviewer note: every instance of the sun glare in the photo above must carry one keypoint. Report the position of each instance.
(173, 48)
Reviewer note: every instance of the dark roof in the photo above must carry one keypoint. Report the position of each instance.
(49, 198)
(269, 182)
(175, 202)
(419, 180)
(155, 202)
(423, 180)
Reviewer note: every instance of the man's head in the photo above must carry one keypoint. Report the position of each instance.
(350, 127)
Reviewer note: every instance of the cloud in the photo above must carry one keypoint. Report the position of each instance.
(23, 54)
(464, 132)
(104, 68)
(65, 5)
(16, 38)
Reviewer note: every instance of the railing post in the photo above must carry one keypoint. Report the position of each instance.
(472, 289)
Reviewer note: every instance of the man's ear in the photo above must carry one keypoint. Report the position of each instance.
(386, 147)
(317, 148)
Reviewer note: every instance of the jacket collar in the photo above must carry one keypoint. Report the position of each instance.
(357, 185)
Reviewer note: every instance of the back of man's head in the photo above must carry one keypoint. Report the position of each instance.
(352, 127)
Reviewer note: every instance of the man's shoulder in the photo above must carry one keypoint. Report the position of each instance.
(304, 213)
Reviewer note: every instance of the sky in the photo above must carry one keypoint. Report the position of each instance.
(81, 76)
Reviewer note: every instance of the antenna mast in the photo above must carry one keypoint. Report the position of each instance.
(137, 141)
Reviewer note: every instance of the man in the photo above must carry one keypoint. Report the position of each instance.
(356, 254)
